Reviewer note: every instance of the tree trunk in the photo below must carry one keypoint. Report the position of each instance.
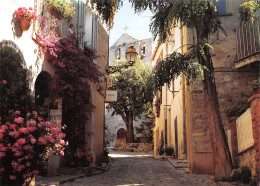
(221, 155)
(130, 129)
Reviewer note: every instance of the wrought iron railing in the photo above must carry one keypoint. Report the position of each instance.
(248, 37)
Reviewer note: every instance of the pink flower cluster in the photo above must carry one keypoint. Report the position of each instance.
(4, 82)
(24, 12)
(26, 142)
(48, 42)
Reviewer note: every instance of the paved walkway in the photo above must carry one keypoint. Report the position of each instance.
(142, 169)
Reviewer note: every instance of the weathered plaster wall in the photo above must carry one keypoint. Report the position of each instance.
(99, 99)
(159, 129)
(247, 158)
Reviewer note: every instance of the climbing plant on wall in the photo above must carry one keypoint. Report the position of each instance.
(74, 70)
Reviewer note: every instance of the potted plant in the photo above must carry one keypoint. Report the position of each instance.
(59, 8)
(25, 16)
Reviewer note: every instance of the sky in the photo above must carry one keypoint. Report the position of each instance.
(138, 24)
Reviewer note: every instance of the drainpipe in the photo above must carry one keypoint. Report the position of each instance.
(165, 110)
(184, 106)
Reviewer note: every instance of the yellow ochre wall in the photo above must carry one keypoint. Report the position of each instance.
(99, 99)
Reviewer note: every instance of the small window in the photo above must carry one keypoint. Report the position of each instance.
(118, 53)
(221, 6)
(143, 50)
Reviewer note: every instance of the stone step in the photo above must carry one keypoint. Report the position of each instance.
(182, 161)
(179, 163)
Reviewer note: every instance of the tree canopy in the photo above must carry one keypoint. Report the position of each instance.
(130, 83)
(133, 99)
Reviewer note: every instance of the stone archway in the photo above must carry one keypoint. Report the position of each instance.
(49, 109)
(42, 88)
(121, 137)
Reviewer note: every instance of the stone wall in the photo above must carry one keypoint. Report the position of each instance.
(113, 124)
(231, 83)
(134, 147)
(247, 158)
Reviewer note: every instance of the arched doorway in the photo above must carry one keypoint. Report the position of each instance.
(120, 138)
(121, 133)
(42, 89)
(48, 108)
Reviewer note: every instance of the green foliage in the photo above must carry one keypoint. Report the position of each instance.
(145, 130)
(63, 7)
(242, 174)
(106, 8)
(247, 11)
(14, 93)
(201, 15)
(173, 66)
(130, 83)
(237, 110)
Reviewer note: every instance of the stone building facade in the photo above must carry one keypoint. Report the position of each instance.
(235, 68)
(143, 48)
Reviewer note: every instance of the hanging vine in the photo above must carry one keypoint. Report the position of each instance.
(173, 66)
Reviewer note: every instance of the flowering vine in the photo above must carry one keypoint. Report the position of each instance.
(74, 71)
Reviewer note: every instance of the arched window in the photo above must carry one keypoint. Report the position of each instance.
(118, 52)
(143, 50)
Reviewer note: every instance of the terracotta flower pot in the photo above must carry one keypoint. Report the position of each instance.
(25, 24)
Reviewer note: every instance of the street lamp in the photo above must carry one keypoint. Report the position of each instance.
(130, 55)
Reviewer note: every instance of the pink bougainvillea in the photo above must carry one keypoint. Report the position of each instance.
(26, 145)
(74, 71)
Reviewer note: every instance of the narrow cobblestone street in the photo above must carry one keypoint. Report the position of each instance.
(142, 169)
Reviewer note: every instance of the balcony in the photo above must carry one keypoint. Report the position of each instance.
(248, 45)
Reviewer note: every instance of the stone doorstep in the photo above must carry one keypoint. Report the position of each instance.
(182, 161)
(179, 163)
